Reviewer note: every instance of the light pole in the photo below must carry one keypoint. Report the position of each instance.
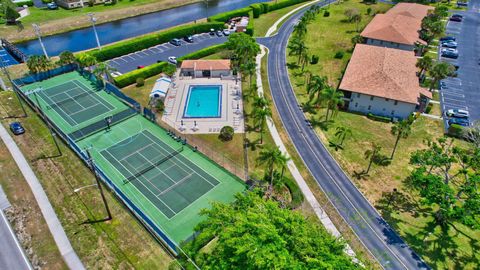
(98, 184)
(94, 20)
(206, 3)
(36, 29)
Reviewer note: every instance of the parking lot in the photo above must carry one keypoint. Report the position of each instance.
(161, 52)
(463, 91)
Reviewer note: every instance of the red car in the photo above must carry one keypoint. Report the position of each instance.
(139, 67)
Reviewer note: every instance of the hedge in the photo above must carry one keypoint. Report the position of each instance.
(280, 4)
(224, 17)
(258, 9)
(379, 118)
(295, 192)
(132, 76)
(147, 41)
(23, 3)
(250, 25)
(455, 131)
(203, 52)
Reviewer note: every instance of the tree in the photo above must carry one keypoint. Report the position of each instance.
(315, 88)
(424, 64)
(66, 58)
(259, 117)
(249, 68)
(39, 63)
(357, 18)
(244, 48)
(272, 157)
(11, 14)
(332, 99)
(103, 72)
(447, 178)
(300, 29)
(441, 11)
(87, 61)
(297, 47)
(400, 129)
(226, 133)
(372, 154)
(253, 233)
(351, 13)
(357, 39)
(342, 132)
(440, 71)
(304, 60)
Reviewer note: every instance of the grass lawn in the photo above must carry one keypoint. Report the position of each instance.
(265, 21)
(411, 220)
(119, 244)
(63, 20)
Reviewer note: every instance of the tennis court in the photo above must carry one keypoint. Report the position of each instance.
(74, 101)
(160, 172)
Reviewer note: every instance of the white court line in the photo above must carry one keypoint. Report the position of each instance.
(136, 151)
(97, 97)
(61, 116)
(175, 184)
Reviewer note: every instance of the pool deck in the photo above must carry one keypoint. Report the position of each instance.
(230, 115)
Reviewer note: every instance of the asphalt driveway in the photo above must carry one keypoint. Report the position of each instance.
(161, 52)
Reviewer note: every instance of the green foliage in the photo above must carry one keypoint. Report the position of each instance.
(146, 72)
(224, 17)
(140, 82)
(455, 130)
(203, 52)
(253, 233)
(447, 178)
(244, 48)
(271, 6)
(401, 129)
(257, 9)
(66, 57)
(11, 14)
(429, 108)
(339, 55)
(314, 59)
(149, 40)
(250, 25)
(226, 133)
(24, 3)
(39, 63)
(86, 60)
(326, 13)
(379, 118)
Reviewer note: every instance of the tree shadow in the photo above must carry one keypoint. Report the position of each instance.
(321, 123)
(307, 107)
(293, 65)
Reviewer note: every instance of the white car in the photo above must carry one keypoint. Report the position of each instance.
(172, 59)
(449, 50)
(115, 74)
(226, 32)
(457, 113)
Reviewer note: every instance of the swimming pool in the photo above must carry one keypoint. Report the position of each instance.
(203, 101)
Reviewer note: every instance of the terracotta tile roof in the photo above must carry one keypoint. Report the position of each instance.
(206, 64)
(412, 10)
(394, 28)
(383, 72)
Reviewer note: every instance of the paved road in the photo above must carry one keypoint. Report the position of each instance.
(11, 253)
(161, 52)
(463, 91)
(382, 241)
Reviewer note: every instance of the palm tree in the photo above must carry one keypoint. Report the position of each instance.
(259, 117)
(401, 129)
(357, 39)
(315, 87)
(66, 58)
(371, 154)
(103, 71)
(424, 64)
(304, 59)
(260, 102)
(440, 71)
(272, 157)
(249, 68)
(87, 61)
(332, 99)
(39, 63)
(357, 18)
(342, 133)
(300, 29)
(297, 47)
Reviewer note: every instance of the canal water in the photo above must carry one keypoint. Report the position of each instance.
(83, 39)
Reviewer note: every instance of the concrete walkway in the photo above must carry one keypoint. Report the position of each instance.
(56, 229)
(321, 214)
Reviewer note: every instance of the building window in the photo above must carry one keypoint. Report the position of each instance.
(383, 109)
(369, 107)
(356, 104)
(371, 98)
(358, 95)
(393, 112)
(396, 102)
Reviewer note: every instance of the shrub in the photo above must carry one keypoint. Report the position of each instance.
(295, 192)
(314, 59)
(140, 82)
(339, 55)
(226, 133)
(149, 40)
(146, 72)
(326, 13)
(257, 9)
(224, 17)
(23, 3)
(159, 106)
(429, 108)
(250, 25)
(455, 130)
(271, 6)
(379, 118)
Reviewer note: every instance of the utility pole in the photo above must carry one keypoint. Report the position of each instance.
(94, 20)
(99, 185)
(36, 29)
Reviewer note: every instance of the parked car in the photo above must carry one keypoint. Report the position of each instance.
(17, 128)
(52, 6)
(226, 32)
(212, 32)
(457, 15)
(140, 67)
(172, 60)
(459, 121)
(456, 19)
(450, 53)
(462, 4)
(115, 74)
(457, 113)
(188, 39)
(447, 38)
(450, 44)
(219, 33)
(176, 42)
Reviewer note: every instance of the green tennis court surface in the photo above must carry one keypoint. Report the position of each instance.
(167, 182)
(160, 172)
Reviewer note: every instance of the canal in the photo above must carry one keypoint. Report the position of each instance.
(84, 39)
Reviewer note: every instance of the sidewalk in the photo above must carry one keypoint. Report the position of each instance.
(54, 225)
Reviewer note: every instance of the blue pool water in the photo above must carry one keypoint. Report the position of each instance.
(203, 101)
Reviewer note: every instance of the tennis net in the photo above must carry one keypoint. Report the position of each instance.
(154, 164)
